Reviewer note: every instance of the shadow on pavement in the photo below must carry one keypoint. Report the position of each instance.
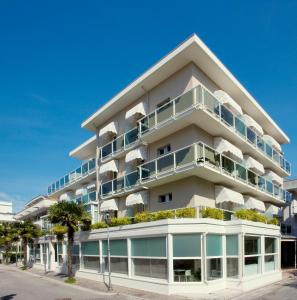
(8, 297)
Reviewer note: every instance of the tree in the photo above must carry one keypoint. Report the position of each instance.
(70, 215)
(27, 232)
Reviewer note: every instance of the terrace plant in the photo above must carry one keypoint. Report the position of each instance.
(120, 221)
(187, 212)
(212, 213)
(99, 225)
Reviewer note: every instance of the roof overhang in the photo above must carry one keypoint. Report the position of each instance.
(85, 150)
(192, 50)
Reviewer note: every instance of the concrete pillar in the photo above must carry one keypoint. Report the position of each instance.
(129, 257)
(240, 255)
(224, 255)
(101, 257)
(262, 258)
(170, 258)
(51, 260)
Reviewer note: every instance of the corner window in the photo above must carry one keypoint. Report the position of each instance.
(165, 198)
(270, 254)
(164, 150)
(252, 256)
(214, 256)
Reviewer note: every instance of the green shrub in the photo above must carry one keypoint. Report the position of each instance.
(142, 217)
(251, 215)
(98, 225)
(161, 215)
(213, 213)
(70, 280)
(188, 212)
(273, 221)
(59, 231)
(120, 221)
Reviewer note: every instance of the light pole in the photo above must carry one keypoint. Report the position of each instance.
(107, 221)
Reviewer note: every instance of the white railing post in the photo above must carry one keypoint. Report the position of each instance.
(156, 168)
(173, 108)
(174, 161)
(195, 96)
(156, 119)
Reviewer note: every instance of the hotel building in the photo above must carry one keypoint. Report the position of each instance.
(185, 134)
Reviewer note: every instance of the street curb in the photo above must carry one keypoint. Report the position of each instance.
(63, 283)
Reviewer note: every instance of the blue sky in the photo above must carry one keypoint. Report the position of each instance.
(61, 60)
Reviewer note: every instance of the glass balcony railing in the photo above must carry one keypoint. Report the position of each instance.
(74, 176)
(201, 97)
(85, 199)
(193, 155)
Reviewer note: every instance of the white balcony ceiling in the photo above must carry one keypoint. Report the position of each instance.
(66, 196)
(138, 109)
(274, 177)
(138, 153)
(109, 205)
(111, 166)
(137, 198)
(251, 123)
(225, 99)
(86, 150)
(253, 165)
(224, 194)
(110, 128)
(223, 146)
(270, 140)
(253, 203)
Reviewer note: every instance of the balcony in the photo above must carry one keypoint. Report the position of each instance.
(81, 175)
(86, 199)
(195, 160)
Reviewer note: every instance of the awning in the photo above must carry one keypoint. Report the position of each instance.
(252, 203)
(253, 165)
(138, 109)
(111, 166)
(79, 191)
(251, 123)
(109, 128)
(224, 194)
(109, 205)
(274, 210)
(270, 140)
(66, 197)
(223, 146)
(138, 153)
(137, 198)
(91, 185)
(225, 99)
(274, 177)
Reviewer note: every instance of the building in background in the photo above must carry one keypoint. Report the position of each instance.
(183, 136)
(6, 214)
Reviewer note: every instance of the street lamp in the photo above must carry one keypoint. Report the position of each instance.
(107, 221)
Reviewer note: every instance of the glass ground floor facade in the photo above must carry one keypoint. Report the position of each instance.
(181, 253)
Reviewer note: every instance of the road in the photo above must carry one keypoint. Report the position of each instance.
(19, 285)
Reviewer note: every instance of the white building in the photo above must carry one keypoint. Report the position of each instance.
(6, 214)
(185, 134)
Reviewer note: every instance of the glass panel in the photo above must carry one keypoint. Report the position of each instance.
(211, 103)
(251, 245)
(228, 165)
(49, 189)
(276, 156)
(66, 179)
(260, 144)
(106, 188)
(268, 150)
(119, 184)
(117, 247)
(185, 101)
(62, 182)
(270, 263)
(213, 245)
(232, 244)
(92, 164)
(214, 268)
(131, 136)
(240, 127)
(153, 247)
(187, 270)
(148, 170)
(269, 187)
(60, 248)
(165, 112)
(184, 156)
(91, 262)
(251, 136)
(270, 244)
(165, 163)
(90, 248)
(106, 150)
(117, 265)
(241, 172)
(118, 143)
(131, 179)
(75, 249)
(261, 182)
(148, 122)
(251, 265)
(85, 168)
(232, 267)
(227, 116)
(92, 196)
(211, 156)
(57, 185)
(252, 178)
(155, 268)
(192, 249)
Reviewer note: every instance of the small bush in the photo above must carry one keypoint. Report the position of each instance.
(98, 225)
(59, 231)
(251, 215)
(70, 280)
(120, 221)
(142, 217)
(161, 215)
(213, 213)
(273, 221)
(188, 212)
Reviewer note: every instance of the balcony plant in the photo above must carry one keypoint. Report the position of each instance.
(161, 215)
(99, 225)
(120, 221)
(142, 217)
(187, 212)
(212, 213)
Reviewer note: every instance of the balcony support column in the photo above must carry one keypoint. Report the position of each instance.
(170, 258)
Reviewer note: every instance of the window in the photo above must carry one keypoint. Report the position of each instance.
(270, 254)
(187, 260)
(37, 253)
(118, 256)
(149, 257)
(90, 255)
(164, 150)
(214, 256)
(44, 253)
(60, 253)
(252, 255)
(165, 198)
(232, 255)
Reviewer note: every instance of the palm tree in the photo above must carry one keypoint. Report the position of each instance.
(27, 232)
(71, 215)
